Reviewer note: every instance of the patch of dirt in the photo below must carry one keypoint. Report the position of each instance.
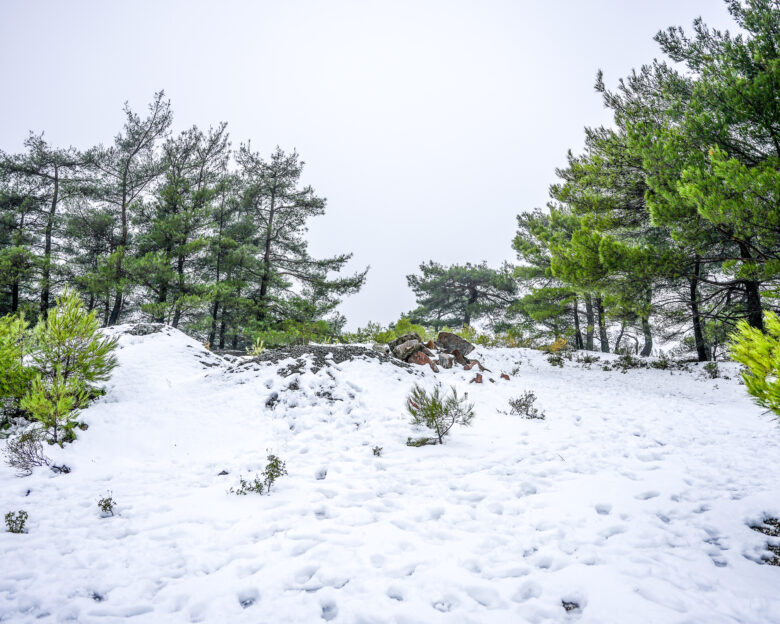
(770, 527)
(321, 356)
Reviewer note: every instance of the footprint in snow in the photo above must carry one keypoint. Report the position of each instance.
(304, 574)
(647, 495)
(329, 610)
(603, 509)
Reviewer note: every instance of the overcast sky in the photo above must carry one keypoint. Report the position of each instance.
(427, 125)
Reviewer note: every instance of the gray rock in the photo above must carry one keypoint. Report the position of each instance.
(448, 342)
(445, 360)
(144, 329)
(382, 348)
(402, 339)
(405, 349)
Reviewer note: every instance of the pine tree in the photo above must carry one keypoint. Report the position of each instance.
(122, 173)
(287, 282)
(53, 174)
(71, 358)
(172, 232)
(460, 294)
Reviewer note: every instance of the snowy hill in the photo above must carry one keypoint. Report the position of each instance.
(633, 499)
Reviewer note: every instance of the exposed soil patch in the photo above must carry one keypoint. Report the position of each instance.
(321, 356)
(770, 527)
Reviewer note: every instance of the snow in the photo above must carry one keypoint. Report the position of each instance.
(632, 499)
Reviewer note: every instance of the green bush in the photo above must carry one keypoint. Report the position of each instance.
(106, 505)
(274, 469)
(437, 411)
(15, 521)
(16, 376)
(71, 358)
(760, 354)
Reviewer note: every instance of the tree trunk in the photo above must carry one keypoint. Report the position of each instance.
(647, 348)
(46, 277)
(14, 296)
(603, 338)
(115, 311)
(473, 296)
(755, 316)
(577, 333)
(222, 327)
(698, 322)
(113, 319)
(180, 272)
(620, 337)
(213, 330)
(266, 278)
(591, 322)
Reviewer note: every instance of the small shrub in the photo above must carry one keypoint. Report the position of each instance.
(417, 442)
(587, 359)
(711, 368)
(662, 363)
(106, 505)
(377, 451)
(628, 361)
(555, 359)
(557, 346)
(245, 487)
(760, 354)
(25, 452)
(437, 411)
(256, 349)
(524, 406)
(15, 521)
(273, 470)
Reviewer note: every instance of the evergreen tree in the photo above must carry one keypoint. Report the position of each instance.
(461, 293)
(172, 227)
(53, 174)
(70, 358)
(287, 283)
(122, 173)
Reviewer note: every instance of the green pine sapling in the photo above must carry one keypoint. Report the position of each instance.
(71, 358)
(437, 411)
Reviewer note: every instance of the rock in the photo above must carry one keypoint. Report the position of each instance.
(223, 473)
(477, 379)
(426, 351)
(459, 358)
(445, 360)
(470, 365)
(402, 339)
(405, 349)
(449, 342)
(60, 469)
(418, 357)
(504, 376)
(479, 364)
(430, 344)
(144, 329)
(381, 348)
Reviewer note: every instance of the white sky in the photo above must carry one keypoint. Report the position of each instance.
(428, 125)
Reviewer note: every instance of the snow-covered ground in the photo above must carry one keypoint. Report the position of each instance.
(632, 499)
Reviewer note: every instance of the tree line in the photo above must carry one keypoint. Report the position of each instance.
(176, 228)
(667, 223)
